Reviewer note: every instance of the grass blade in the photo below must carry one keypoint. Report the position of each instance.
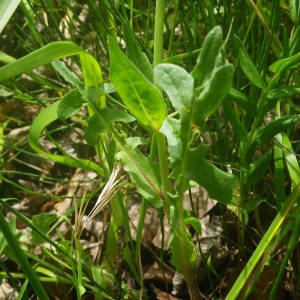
(22, 259)
(248, 270)
(42, 56)
(7, 8)
(46, 117)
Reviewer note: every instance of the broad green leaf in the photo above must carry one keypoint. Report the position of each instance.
(207, 57)
(7, 8)
(171, 129)
(66, 73)
(43, 222)
(43, 119)
(143, 174)
(178, 85)
(282, 65)
(214, 92)
(135, 54)
(92, 75)
(142, 99)
(70, 104)
(219, 184)
(291, 160)
(266, 132)
(42, 56)
(183, 246)
(135, 141)
(107, 88)
(96, 124)
(91, 70)
(249, 68)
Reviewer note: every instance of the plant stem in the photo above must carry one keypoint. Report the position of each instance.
(163, 162)
(158, 31)
(158, 49)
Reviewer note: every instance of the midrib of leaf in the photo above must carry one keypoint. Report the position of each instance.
(138, 97)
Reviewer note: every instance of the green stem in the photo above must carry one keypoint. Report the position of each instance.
(158, 49)
(163, 163)
(158, 31)
(163, 160)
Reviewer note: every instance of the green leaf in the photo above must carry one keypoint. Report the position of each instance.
(282, 65)
(194, 222)
(91, 70)
(251, 205)
(5, 92)
(140, 96)
(7, 8)
(135, 54)
(266, 132)
(78, 279)
(183, 246)
(43, 222)
(70, 104)
(12, 227)
(43, 119)
(208, 55)
(171, 129)
(248, 273)
(143, 174)
(42, 56)
(19, 253)
(283, 92)
(257, 169)
(66, 73)
(291, 160)
(135, 141)
(178, 85)
(242, 100)
(92, 75)
(23, 289)
(219, 184)
(96, 124)
(295, 42)
(214, 92)
(249, 68)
